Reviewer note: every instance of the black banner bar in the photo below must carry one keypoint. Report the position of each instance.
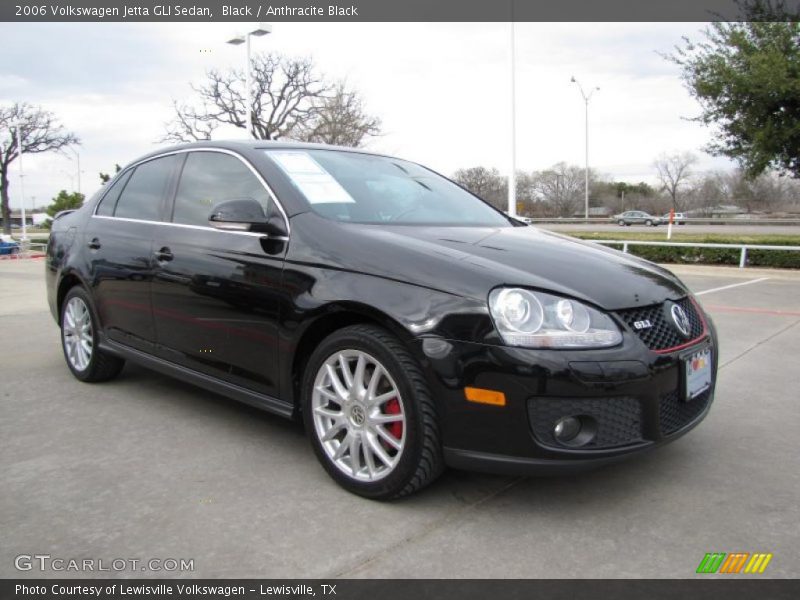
(728, 588)
(372, 10)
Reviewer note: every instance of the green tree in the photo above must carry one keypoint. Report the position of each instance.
(106, 177)
(746, 77)
(65, 201)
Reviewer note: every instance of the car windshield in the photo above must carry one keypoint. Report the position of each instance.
(364, 188)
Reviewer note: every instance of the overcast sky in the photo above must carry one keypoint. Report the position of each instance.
(442, 90)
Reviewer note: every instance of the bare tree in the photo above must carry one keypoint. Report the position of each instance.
(485, 183)
(340, 119)
(760, 193)
(287, 93)
(561, 187)
(40, 131)
(674, 172)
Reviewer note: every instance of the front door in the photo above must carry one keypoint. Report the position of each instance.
(215, 293)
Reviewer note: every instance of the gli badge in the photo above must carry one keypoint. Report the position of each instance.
(681, 320)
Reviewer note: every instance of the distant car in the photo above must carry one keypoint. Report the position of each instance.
(678, 219)
(637, 217)
(8, 245)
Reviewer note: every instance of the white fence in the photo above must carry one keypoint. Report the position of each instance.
(743, 248)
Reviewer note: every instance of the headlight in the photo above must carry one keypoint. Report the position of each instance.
(539, 320)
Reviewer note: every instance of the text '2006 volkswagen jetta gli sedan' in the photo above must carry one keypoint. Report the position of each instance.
(407, 322)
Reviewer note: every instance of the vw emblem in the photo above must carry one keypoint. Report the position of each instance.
(681, 320)
(357, 415)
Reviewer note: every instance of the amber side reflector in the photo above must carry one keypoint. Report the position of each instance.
(482, 396)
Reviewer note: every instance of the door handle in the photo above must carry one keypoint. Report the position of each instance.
(94, 244)
(164, 255)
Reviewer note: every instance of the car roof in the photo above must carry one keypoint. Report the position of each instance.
(247, 146)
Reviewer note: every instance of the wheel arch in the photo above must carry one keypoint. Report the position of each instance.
(67, 281)
(333, 318)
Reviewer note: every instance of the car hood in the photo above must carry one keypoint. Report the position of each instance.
(470, 261)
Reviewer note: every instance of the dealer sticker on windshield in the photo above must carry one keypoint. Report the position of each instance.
(698, 373)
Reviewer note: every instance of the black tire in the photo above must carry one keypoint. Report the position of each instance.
(421, 461)
(621, 223)
(649, 223)
(101, 366)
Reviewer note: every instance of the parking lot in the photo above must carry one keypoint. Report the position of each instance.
(148, 467)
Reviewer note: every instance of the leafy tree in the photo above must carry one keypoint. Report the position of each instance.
(106, 177)
(40, 132)
(65, 201)
(746, 77)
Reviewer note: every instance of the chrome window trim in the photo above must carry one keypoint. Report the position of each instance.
(200, 227)
(272, 195)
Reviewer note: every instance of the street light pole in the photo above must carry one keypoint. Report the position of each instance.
(586, 99)
(78, 162)
(18, 126)
(512, 177)
(261, 30)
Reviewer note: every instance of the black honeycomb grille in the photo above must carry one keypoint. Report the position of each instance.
(619, 420)
(675, 413)
(662, 333)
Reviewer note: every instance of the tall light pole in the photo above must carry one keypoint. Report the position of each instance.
(78, 162)
(586, 99)
(512, 177)
(18, 126)
(262, 30)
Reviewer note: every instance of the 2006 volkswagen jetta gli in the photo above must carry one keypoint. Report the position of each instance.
(407, 322)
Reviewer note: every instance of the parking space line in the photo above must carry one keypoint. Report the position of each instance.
(749, 309)
(733, 285)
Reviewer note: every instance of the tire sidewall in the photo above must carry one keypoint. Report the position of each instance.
(390, 485)
(79, 292)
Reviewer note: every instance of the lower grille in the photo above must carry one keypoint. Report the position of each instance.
(619, 420)
(675, 413)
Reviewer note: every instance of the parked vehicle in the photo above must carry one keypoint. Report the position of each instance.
(8, 245)
(636, 217)
(678, 219)
(408, 323)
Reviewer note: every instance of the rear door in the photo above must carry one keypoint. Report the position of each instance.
(118, 241)
(215, 293)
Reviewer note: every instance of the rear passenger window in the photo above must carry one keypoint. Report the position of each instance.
(109, 201)
(209, 178)
(141, 198)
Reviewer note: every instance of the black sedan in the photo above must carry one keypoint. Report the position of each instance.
(409, 324)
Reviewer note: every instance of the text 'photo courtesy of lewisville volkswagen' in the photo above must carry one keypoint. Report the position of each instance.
(409, 324)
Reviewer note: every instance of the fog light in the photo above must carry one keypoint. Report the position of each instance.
(567, 429)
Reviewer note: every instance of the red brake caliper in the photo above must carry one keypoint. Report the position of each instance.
(392, 407)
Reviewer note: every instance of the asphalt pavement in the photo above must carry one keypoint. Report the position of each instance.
(147, 467)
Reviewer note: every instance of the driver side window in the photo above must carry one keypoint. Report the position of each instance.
(209, 178)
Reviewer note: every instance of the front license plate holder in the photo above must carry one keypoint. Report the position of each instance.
(696, 373)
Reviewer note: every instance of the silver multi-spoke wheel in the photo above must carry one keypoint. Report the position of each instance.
(359, 416)
(77, 332)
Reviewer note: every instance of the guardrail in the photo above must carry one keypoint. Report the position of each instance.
(743, 248)
(689, 221)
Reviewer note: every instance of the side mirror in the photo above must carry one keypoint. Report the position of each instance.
(245, 214)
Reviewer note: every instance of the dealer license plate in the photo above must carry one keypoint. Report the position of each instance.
(698, 373)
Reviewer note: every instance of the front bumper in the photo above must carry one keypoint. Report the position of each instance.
(634, 396)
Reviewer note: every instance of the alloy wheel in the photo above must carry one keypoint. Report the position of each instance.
(358, 415)
(77, 333)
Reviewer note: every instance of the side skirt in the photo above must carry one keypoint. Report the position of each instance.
(235, 392)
